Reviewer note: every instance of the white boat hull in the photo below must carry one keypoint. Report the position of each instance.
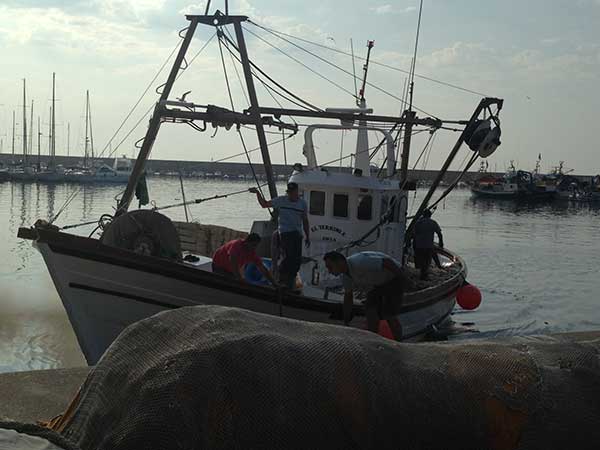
(102, 296)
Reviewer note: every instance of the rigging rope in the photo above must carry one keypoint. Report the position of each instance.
(267, 88)
(310, 69)
(308, 106)
(77, 190)
(253, 150)
(152, 106)
(139, 100)
(377, 63)
(374, 86)
(239, 131)
(456, 181)
(202, 200)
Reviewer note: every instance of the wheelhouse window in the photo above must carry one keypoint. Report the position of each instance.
(317, 203)
(340, 205)
(365, 207)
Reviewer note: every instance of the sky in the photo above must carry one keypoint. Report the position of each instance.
(541, 56)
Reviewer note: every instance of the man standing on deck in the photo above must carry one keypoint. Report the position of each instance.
(230, 259)
(380, 277)
(425, 228)
(292, 219)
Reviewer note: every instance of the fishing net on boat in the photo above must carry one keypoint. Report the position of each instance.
(213, 377)
(145, 232)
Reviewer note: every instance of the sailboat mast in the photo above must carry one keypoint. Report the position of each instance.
(91, 128)
(85, 148)
(13, 135)
(24, 124)
(39, 145)
(50, 133)
(30, 149)
(254, 108)
(53, 119)
(68, 137)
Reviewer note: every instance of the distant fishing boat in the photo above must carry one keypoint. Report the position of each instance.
(137, 267)
(513, 185)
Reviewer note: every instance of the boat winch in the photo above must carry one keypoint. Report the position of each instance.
(482, 137)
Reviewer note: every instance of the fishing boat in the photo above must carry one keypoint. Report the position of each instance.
(137, 267)
(514, 185)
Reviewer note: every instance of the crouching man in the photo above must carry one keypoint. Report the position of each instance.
(380, 277)
(231, 258)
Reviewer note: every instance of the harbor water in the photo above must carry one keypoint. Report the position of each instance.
(537, 265)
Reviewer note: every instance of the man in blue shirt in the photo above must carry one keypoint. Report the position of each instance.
(380, 278)
(292, 219)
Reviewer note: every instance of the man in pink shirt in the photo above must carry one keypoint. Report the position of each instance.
(231, 258)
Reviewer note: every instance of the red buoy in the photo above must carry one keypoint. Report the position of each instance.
(468, 297)
(385, 330)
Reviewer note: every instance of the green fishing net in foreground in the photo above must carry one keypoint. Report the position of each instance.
(216, 378)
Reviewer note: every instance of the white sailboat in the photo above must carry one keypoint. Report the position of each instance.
(136, 270)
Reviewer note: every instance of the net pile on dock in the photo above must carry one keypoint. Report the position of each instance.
(214, 377)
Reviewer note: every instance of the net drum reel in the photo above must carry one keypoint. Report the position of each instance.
(483, 136)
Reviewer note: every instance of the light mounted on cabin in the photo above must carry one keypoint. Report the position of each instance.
(357, 172)
(298, 167)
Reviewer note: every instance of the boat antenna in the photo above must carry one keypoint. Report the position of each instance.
(361, 93)
(414, 60)
(353, 69)
(409, 113)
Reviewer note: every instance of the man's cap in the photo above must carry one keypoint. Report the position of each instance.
(292, 187)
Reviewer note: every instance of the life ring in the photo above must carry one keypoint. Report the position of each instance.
(253, 275)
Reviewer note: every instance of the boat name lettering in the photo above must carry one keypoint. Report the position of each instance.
(328, 228)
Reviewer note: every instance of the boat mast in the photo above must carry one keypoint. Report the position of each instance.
(13, 136)
(53, 141)
(50, 134)
(409, 113)
(68, 137)
(254, 106)
(91, 129)
(39, 165)
(85, 148)
(30, 148)
(361, 159)
(24, 125)
(155, 121)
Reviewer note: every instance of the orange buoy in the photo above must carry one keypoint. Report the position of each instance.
(468, 297)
